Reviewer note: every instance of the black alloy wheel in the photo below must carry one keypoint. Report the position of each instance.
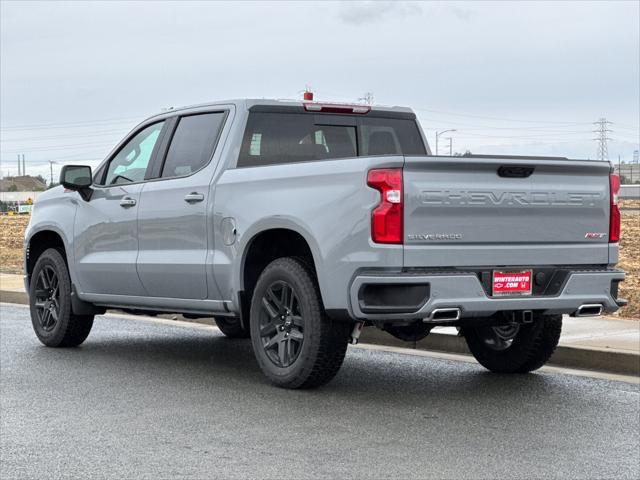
(295, 343)
(47, 302)
(52, 317)
(499, 338)
(515, 347)
(281, 324)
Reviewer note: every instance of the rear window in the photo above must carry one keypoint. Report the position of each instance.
(272, 138)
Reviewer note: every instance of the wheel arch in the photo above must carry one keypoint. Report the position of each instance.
(267, 244)
(40, 241)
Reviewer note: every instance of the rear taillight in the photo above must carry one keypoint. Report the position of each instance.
(614, 215)
(386, 218)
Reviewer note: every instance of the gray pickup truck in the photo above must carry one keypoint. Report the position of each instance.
(298, 223)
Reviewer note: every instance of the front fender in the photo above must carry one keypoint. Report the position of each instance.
(54, 214)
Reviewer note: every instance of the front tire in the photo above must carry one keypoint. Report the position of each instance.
(515, 348)
(295, 343)
(53, 321)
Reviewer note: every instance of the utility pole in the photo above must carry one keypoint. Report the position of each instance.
(450, 146)
(602, 130)
(440, 133)
(24, 166)
(619, 168)
(18, 164)
(51, 162)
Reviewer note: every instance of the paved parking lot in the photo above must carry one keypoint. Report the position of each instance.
(141, 399)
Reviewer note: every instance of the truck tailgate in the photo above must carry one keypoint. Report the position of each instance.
(466, 211)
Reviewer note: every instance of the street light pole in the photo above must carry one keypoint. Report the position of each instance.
(440, 133)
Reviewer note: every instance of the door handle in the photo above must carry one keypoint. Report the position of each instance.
(127, 202)
(193, 197)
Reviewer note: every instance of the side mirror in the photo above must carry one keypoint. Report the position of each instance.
(77, 178)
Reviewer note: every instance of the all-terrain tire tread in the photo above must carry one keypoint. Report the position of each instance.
(532, 348)
(333, 336)
(544, 344)
(75, 328)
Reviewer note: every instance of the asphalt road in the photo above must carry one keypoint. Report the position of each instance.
(146, 400)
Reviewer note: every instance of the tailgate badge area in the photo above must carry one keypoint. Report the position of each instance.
(434, 236)
(594, 235)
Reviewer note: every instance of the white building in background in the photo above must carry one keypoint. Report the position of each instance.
(18, 197)
(629, 191)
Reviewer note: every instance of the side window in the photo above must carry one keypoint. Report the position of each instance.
(390, 136)
(192, 145)
(272, 138)
(130, 163)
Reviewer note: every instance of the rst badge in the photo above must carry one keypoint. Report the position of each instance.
(594, 235)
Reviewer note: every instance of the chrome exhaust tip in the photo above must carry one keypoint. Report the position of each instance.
(589, 310)
(443, 315)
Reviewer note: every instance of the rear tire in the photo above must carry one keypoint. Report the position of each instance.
(53, 321)
(232, 327)
(518, 348)
(295, 343)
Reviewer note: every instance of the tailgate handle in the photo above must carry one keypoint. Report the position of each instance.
(515, 171)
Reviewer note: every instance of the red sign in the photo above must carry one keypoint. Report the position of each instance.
(512, 283)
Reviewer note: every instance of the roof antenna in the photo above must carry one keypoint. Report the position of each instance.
(368, 98)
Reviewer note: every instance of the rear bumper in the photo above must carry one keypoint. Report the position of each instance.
(460, 290)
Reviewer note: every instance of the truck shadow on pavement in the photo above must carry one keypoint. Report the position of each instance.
(209, 360)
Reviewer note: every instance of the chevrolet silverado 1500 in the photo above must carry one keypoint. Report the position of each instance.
(297, 223)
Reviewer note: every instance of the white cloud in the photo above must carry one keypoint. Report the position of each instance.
(366, 12)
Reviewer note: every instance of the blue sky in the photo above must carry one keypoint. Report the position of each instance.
(511, 77)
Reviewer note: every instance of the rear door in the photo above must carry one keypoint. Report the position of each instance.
(173, 219)
(468, 211)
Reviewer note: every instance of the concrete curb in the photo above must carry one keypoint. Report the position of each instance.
(8, 296)
(610, 361)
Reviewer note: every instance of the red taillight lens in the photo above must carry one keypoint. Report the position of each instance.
(614, 215)
(386, 218)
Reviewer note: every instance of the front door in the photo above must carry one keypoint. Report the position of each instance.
(106, 227)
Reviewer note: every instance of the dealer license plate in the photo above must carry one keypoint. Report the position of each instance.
(511, 283)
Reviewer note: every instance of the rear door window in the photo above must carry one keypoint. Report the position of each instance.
(192, 145)
(274, 138)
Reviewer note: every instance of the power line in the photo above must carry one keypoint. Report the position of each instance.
(80, 123)
(501, 118)
(37, 138)
(45, 148)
